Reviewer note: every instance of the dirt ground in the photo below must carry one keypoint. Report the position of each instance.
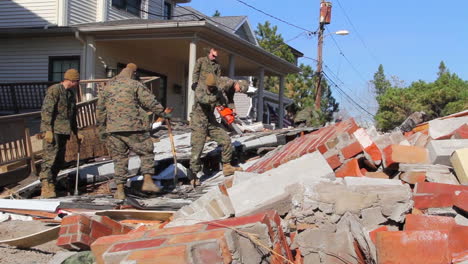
(41, 254)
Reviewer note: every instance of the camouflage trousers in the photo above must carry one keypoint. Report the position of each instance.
(120, 144)
(199, 133)
(53, 157)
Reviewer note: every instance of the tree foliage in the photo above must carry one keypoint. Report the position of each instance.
(217, 13)
(301, 86)
(448, 94)
(380, 82)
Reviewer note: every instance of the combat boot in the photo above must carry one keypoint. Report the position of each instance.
(47, 190)
(52, 190)
(120, 193)
(148, 184)
(228, 169)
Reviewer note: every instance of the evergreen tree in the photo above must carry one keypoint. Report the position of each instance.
(446, 95)
(380, 82)
(299, 87)
(217, 14)
(442, 69)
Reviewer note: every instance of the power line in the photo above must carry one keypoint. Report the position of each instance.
(335, 76)
(360, 99)
(357, 33)
(347, 96)
(277, 18)
(346, 58)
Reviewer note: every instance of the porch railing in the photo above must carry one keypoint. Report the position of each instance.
(15, 139)
(20, 96)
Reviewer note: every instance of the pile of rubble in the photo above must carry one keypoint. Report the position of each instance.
(339, 194)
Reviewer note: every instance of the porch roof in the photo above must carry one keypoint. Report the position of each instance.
(175, 34)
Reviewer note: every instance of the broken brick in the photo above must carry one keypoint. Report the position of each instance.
(395, 154)
(80, 231)
(413, 247)
(334, 161)
(458, 243)
(413, 177)
(351, 150)
(351, 168)
(377, 174)
(429, 222)
(373, 233)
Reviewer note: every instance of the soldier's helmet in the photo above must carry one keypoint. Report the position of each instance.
(210, 79)
(244, 85)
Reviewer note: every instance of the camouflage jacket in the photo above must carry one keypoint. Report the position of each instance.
(58, 112)
(226, 84)
(122, 106)
(205, 103)
(205, 65)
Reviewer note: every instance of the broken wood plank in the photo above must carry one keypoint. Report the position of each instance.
(35, 239)
(34, 213)
(137, 214)
(27, 204)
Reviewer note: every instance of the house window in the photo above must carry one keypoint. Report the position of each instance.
(167, 10)
(59, 65)
(131, 6)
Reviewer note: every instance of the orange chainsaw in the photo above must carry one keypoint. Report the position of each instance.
(228, 116)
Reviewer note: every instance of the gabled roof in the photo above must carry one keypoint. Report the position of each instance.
(237, 25)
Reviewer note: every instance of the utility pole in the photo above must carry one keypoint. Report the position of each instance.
(324, 19)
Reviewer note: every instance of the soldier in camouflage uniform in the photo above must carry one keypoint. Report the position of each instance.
(203, 122)
(123, 127)
(204, 66)
(229, 87)
(58, 122)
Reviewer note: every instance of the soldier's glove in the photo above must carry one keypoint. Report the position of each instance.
(194, 85)
(49, 137)
(80, 138)
(165, 115)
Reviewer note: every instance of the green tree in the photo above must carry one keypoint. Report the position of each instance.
(442, 69)
(380, 82)
(217, 13)
(446, 95)
(270, 40)
(299, 87)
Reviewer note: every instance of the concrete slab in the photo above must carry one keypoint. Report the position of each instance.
(442, 127)
(441, 150)
(366, 181)
(259, 191)
(459, 160)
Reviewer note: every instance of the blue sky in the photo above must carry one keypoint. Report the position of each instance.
(409, 38)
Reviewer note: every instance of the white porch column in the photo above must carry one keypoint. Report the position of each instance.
(281, 102)
(101, 10)
(190, 93)
(62, 13)
(261, 77)
(232, 65)
(90, 62)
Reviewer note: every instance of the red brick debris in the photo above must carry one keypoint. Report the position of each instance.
(431, 229)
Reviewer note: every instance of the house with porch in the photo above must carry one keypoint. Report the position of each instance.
(40, 41)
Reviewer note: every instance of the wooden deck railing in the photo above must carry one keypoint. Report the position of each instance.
(15, 140)
(19, 96)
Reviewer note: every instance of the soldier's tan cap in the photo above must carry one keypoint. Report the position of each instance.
(210, 80)
(244, 85)
(72, 75)
(132, 66)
